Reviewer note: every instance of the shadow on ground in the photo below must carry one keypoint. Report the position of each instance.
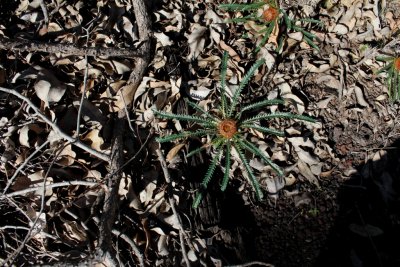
(355, 223)
(367, 227)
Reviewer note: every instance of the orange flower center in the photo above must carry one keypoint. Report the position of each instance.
(396, 64)
(270, 14)
(227, 128)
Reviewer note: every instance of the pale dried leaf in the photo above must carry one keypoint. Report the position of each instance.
(196, 41)
(163, 39)
(94, 138)
(307, 173)
(360, 96)
(48, 88)
(172, 153)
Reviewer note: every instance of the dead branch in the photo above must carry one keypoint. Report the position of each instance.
(70, 49)
(55, 185)
(171, 201)
(11, 180)
(56, 128)
(251, 264)
(105, 252)
(135, 249)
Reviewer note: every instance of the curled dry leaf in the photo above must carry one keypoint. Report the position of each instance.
(73, 233)
(172, 153)
(48, 88)
(163, 39)
(33, 180)
(24, 133)
(306, 172)
(94, 138)
(196, 40)
(274, 184)
(66, 156)
(360, 96)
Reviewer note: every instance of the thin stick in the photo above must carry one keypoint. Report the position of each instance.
(171, 200)
(78, 121)
(10, 181)
(45, 13)
(135, 249)
(56, 128)
(55, 185)
(5, 227)
(251, 263)
(12, 257)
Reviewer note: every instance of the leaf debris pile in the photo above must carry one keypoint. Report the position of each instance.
(336, 84)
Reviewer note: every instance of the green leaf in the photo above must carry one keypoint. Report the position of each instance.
(211, 169)
(261, 104)
(242, 84)
(288, 21)
(185, 134)
(253, 149)
(224, 67)
(179, 117)
(263, 129)
(310, 43)
(198, 108)
(195, 151)
(384, 58)
(284, 115)
(249, 171)
(225, 180)
(265, 38)
(241, 7)
(384, 69)
(197, 200)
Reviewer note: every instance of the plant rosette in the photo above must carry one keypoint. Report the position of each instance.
(228, 131)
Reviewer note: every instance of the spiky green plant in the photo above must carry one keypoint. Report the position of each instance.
(392, 69)
(228, 130)
(268, 18)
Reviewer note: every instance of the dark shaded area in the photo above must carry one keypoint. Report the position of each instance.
(367, 227)
(351, 224)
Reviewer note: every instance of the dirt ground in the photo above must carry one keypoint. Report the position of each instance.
(115, 196)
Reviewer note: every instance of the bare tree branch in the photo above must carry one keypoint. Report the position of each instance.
(172, 204)
(135, 249)
(55, 185)
(56, 128)
(11, 180)
(70, 49)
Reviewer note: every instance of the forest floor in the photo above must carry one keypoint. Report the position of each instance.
(79, 123)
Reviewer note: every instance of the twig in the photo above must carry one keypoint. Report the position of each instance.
(135, 249)
(12, 257)
(252, 263)
(44, 10)
(137, 153)
(17, 171)
(78, 120)
(171, 200)
(56, 128)
(19, 209)
(67, 49)
(55, 185)
(5, 227)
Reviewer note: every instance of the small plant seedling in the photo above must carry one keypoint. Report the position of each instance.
(228, 131)
(392, 69)
(269, 15)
